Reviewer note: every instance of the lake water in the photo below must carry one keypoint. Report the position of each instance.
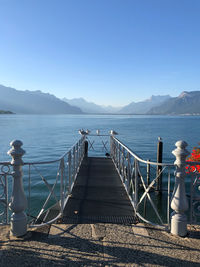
(47, 137)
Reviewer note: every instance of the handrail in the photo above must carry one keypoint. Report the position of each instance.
(5, 163)
(138, 176)
(192, 163)
(65, 186)
(56, 160)
(68, 167)
(140, 159)
(137, 184)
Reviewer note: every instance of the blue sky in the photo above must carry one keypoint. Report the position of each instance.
(107, 51)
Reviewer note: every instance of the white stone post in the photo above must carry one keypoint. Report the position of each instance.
(18, 199)
(179, 201)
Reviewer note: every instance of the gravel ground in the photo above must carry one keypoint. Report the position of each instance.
(99, 245)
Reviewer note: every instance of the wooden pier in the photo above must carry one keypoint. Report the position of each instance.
(98, 195)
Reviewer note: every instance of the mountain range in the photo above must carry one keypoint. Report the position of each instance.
(90, 107)
(185, 103)
(143, 107)
(37, 102)
(33, 102)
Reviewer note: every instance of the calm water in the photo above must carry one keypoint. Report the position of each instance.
(46, 137)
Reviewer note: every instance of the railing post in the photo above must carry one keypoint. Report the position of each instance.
(148, 173)
(111, 146)
(18, 199)
(82, 148)
(62, 189)
(136, 183)
(74, 162)
(123, 170)
(77, 157)
(69, 172)
(179, 202)
(113, 153)
(159, 168)
(129, 173)
(85, 148)
(119, 163)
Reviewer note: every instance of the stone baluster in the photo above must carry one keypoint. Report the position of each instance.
(179, 201)
(18, 199)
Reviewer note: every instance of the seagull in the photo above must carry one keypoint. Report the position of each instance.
(82, 132)
(112, 132)
(98, 132)
(87, 131)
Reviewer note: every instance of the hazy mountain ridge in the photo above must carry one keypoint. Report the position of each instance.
(33, 102)
(143, 107)
(90, 107)
(133, 108)
(185, 103)
(85, 106)
(37, 102)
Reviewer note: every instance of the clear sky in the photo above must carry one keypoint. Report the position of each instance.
(107, 51)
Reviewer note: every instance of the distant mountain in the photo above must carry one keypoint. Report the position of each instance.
(111, 109)
(90, 107)
(33, 102)
(185, 103)
(87, 107)
(144, 106)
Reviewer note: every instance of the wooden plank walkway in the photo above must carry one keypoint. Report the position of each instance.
(98, 195)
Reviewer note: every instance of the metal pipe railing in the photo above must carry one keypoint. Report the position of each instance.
(139, 177)
(134, 183)
(68, 167)
(72, 160)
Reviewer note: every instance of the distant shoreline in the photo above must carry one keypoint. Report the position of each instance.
(5, 112)
(2, 112)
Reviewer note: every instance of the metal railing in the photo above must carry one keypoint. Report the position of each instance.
(140, 178)
(61, 186)
(98, 144)
(53, 190)
(5, 172)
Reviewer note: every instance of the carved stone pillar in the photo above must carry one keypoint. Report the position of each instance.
(18, 199)
(179, 201)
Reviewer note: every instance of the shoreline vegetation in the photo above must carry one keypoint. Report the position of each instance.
(6, 112)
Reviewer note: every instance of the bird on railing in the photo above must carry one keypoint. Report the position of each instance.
(82, 132)
(87, 131)
(98, 132)
(112, 132)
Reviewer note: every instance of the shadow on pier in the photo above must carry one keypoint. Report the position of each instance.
(75, 246)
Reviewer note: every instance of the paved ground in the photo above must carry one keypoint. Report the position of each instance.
(99, 245)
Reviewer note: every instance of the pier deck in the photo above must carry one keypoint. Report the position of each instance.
(98, 195)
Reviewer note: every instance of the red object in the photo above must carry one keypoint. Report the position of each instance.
(195, 156)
